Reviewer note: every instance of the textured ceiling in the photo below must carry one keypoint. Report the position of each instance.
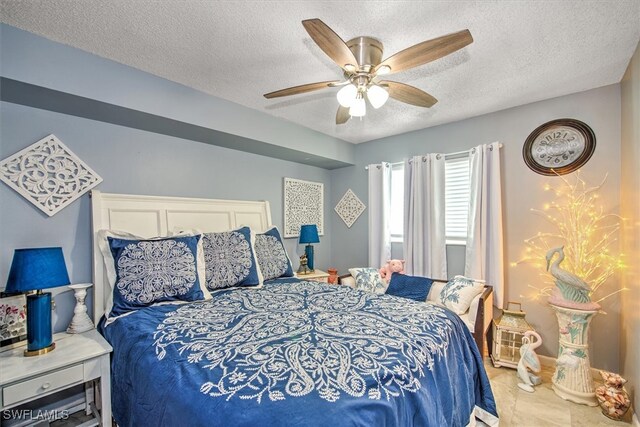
(238, 50)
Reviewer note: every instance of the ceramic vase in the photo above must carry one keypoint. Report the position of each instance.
(333, 276)
(612, 396)
(572, 378)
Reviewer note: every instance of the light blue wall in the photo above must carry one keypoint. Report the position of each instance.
(134, 162)
(137, 161)
(522, 191)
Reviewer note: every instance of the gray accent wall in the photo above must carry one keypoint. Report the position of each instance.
(134, 162)
(28, 58)
(522, 191)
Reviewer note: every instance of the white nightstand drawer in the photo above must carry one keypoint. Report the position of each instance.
(42, 384)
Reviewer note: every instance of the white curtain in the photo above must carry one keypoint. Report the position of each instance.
(424, 247)
(379, 207)
(484, 253)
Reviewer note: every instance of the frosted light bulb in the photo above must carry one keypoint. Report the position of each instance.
(358, 108)
(347, 95)
(377, 96)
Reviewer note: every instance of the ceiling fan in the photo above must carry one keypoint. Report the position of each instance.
(361, 61)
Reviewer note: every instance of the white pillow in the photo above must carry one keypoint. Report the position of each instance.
(434, 293)
(368, 279)
(458, 293)
(473, 308)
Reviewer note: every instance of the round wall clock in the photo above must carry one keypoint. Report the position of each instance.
(559, 147)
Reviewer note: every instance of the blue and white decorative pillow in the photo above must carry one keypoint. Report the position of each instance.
(272, 256)
(458, 293)
(368, 279)
(151, 271)
(230, 260)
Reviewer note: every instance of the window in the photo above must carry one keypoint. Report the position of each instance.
(396, 214)
(457, 186)
(456, 196)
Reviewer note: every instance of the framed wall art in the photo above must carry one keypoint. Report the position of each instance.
(303, 204)
(559, 147)
(13, 321)
(349, 208)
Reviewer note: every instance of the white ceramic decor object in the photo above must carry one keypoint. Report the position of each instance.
(48, 174)
(81, 321)
(349, 208)
(572, 379)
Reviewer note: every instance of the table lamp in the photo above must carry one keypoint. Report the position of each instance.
(308, 235)
(35, 269)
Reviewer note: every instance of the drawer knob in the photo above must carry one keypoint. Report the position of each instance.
(46, 385)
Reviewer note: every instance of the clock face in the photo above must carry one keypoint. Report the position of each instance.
(559, 147)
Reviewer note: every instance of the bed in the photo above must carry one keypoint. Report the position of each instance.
(290, 352)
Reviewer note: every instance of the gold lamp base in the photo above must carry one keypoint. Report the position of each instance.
(29, 353)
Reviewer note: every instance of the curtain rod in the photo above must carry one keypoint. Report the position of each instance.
(457, 153)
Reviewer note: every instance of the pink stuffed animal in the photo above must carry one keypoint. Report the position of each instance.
(392, 266)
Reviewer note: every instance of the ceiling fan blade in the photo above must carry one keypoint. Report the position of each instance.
(342, 116)
(409, 94)
(300, 89)
(330, 42)
(427, 51)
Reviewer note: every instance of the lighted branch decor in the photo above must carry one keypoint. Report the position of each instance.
(586, 231)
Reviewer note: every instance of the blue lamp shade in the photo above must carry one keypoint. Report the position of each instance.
(308, 235)
(36, 269)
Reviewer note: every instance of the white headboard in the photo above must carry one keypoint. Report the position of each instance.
(151, 216)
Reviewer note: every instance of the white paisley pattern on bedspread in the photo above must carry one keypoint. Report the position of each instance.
(299, 338)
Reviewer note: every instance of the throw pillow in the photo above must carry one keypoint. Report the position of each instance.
(412, 287)
(230, 260)
(151, 271)
(368, 279)
(272, 256)
(458, 293)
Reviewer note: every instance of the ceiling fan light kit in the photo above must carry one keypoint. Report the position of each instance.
(347, 95)
(361, 61)
(377, 96)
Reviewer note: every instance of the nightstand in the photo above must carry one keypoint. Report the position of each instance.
(77, 359)
(316, 276)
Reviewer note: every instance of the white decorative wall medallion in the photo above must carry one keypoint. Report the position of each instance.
(349, 208)
(303, 204)
(48, 174)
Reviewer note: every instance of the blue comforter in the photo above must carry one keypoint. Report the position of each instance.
(296, 354)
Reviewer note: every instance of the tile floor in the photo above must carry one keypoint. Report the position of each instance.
(518, 408)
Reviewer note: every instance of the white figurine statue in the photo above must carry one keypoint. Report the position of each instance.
(529, 361)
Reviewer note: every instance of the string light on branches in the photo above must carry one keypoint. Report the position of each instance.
(578, 221)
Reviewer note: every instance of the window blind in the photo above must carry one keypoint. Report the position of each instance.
(457, 186)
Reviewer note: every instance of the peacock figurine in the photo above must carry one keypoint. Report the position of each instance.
(571, 286)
